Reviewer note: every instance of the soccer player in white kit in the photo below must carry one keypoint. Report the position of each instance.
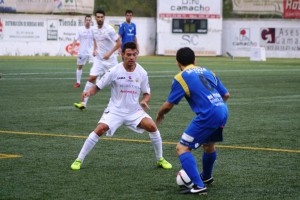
(106, 43)
(128, 80)
(85, 52)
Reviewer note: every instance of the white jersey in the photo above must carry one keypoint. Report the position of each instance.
(85, 37)
(126, 88)
(105, 39)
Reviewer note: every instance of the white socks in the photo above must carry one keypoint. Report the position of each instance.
(78, 75)
(157, 143)
(86, 88)
(88, 145)
(93, 138)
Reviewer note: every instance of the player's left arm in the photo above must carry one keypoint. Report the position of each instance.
(145, 90)
(135, 39)
(222, 89)
(145, 100)
(115, 48)
(137, 45)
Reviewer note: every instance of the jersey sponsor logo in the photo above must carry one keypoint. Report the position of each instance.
(118, 78)
(215, 98)
(129, 91)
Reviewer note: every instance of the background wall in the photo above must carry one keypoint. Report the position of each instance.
(52, 35)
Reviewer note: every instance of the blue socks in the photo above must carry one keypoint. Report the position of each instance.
(208, 160)
(189, 165)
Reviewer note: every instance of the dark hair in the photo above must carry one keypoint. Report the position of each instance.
(100, 11)
(128, 11)
(128, 45)
(185, 56)
(87, 16)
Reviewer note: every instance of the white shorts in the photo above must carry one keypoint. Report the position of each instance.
(101, 66)
(82, 59)
(114, 120)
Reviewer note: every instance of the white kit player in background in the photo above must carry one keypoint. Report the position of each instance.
(85, 52)
(127, 80)
(106, 43)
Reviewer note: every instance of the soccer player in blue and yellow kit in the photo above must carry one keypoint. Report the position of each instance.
(206, 96)
(127, 31)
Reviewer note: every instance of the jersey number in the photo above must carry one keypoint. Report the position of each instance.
(206, 83)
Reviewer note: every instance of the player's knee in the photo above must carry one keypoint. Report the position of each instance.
(101, 129)
(148, 125)
(180, 149)
(152, 128)
(209, 148)
(92, 79)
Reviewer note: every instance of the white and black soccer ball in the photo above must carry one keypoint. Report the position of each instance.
(183, 179)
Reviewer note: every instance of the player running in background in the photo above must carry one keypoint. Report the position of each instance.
(85, 52)
(128, 80)
(206, 96)
(106, 42)
(127, 31)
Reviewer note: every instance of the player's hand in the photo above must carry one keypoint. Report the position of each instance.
(145, 105)
(106, 56)
(94, 53)
(85, 94)
(159, 118)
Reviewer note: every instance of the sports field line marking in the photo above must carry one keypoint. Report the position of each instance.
(148, 141)
(9, 156)
(157, 72)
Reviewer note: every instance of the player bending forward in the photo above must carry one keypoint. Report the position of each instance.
(206, 96)
(128, 80)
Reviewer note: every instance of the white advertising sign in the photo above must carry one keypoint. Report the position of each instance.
(279, 38)
(171, 34)
(53, 34)
(23, 29)
(77, 6)
(47, 6)
(258, 6)
(189, 9)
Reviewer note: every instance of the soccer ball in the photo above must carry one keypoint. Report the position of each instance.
(183, 179)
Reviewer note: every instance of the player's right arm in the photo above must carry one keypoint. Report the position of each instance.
(95, 48)
(74, 42)
(73, 47)
(92, 91)
(165, 108)
(176, 94)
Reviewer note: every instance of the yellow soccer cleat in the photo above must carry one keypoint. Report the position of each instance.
(76, 164)
(164, 164)
(80, 106)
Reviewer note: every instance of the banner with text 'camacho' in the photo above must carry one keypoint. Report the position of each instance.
(47, 6)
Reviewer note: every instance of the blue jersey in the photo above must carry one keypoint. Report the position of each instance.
(127, 32)
(203, 91)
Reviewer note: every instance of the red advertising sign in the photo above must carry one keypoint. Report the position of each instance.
(291, 9)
